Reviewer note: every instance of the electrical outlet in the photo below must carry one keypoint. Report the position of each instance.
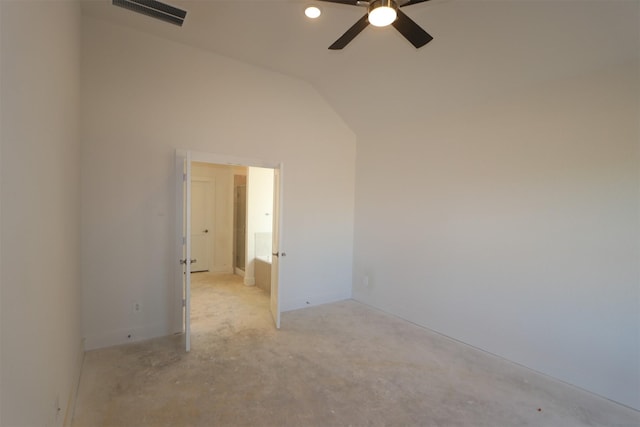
(137, 307)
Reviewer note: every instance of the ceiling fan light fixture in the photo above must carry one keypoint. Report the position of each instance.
(382, 13)
(312, 12)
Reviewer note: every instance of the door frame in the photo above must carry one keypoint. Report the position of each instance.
(221, 159)
(236, 269)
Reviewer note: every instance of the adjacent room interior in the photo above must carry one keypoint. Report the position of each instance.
(231, 228)
(484, 187)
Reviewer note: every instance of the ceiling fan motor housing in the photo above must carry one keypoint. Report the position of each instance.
(382, 3)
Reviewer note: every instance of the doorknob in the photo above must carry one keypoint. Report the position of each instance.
(191, 261)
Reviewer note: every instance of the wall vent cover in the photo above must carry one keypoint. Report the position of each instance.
(155, 9)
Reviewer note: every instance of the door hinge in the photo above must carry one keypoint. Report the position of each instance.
(184, 302)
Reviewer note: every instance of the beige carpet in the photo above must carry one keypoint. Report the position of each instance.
(341, 364)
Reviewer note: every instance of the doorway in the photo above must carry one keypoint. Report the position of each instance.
(224, 261)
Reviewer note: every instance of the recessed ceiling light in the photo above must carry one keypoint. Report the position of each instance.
(312, 12)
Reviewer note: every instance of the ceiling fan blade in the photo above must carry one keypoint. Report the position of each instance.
(410, 2)
(411, 31)
(351, 33)
(351, 2)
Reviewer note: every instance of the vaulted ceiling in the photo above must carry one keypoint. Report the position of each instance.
(481, 47)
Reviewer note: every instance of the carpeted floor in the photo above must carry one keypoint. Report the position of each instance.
(341, 364)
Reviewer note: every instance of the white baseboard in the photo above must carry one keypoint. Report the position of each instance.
(123, 336)
(239, 272)
(297, 303)
(249, 281)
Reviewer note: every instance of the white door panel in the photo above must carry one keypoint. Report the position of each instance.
(275, 246)
(183, 188)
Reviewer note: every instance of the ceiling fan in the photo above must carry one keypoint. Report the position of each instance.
(381, 13)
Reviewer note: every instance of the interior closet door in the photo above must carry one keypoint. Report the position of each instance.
(201, 225)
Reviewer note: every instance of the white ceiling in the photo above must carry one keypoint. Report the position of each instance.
(480, 47)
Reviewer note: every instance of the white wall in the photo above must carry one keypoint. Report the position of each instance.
(514, 226)
(142, 98)
(259, 214)
(41, 344)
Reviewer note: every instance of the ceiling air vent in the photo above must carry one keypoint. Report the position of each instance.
(155, 9)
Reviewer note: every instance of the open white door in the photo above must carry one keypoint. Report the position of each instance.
(276, 239)
(183, 158)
